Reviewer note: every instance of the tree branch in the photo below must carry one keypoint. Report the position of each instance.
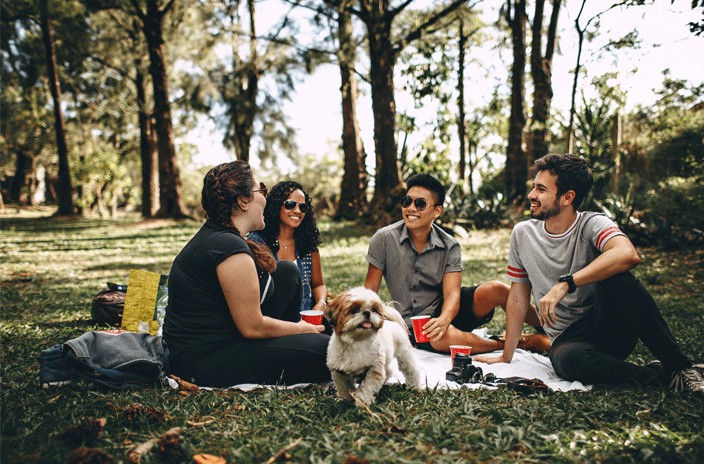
(392, 13)
(418, 32)
(138, 10)
(167, 7)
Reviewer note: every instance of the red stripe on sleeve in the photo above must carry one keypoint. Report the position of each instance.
(517, 272)
(605, 234)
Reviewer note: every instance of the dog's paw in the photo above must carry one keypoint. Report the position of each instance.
(363, 401)
(345, 396)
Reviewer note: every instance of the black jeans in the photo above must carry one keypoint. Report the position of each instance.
(284, 360)
(593, 349)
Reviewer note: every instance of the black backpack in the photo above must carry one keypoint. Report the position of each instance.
(109, 304)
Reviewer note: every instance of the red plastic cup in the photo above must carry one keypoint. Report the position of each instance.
(312, 316)
(418, 323)
(454, 349)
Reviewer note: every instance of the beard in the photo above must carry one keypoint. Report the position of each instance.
(546, 214)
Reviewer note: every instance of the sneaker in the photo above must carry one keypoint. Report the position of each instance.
(691, 379)
(53, 371)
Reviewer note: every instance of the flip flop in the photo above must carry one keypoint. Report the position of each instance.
(526, 386)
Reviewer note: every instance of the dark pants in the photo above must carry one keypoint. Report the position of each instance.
(593, 349)
(284, 360)
(465, 320)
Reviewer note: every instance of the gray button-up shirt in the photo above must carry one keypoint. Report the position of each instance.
(414, 279)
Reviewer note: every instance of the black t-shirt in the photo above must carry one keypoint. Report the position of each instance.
(197, 316)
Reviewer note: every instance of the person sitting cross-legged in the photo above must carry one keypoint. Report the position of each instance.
(422, 267)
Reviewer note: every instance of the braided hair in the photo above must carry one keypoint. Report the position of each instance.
(222, 187)
(306, 235)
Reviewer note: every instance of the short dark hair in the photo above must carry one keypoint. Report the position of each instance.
(431, 183)
(572, 172)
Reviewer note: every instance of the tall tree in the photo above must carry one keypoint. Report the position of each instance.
(516, 170)
(151, 19)
(379, 16)
(241, 87)
(64, 189)
(461, 118)
(25, 131)
(541, 70)
(353, 191)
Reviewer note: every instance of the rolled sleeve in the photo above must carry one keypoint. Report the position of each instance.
(376, 255)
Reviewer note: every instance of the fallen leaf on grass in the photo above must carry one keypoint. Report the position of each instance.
(201, 423)
(183, 385)
(136, 411)
(283, 452)
(135, 455)
(208, 459)
(171, 445)
(85, 430)
(85, 455)
(355, 460)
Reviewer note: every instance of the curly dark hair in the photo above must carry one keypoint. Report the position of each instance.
(306, 236)
(222, 186)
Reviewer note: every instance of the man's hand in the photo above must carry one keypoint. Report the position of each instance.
(435, 329)
(491, 359)
(548, 303)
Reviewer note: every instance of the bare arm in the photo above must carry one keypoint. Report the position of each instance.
(373, 279)
(619, 255)
(435, 329)
(517, 306)
(238, 280)
(317, 283)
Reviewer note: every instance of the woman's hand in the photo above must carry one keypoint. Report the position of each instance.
(310, 328)
(320, 306)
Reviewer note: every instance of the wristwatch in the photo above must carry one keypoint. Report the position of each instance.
(570, 282)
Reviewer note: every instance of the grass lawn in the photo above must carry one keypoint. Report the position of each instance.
(50, 269)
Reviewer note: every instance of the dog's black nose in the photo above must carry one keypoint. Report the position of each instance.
(367, 314)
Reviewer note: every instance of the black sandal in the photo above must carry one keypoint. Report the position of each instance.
(526, 386)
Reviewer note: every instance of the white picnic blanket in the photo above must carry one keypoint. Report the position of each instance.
(433, 367)
(524, 364)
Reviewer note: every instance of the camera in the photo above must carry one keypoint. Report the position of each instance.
(463, 371)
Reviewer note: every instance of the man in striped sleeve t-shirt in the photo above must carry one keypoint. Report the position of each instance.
(593, 309)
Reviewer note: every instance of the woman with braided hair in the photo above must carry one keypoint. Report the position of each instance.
(233, 313)
(292, 235)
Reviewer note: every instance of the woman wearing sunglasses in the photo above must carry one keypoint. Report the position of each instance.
(292, 235)
(233, 313)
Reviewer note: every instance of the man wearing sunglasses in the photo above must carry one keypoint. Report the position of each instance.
(422, 267)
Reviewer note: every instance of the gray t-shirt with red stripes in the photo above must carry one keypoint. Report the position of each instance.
(538, 258)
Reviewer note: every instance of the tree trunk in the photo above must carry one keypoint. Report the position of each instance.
(171, 205)
(542, 93)
(148, 150)
(353, 191)
(516, 170)
(615, 133)
(245, 83)
(461, 132)
(24, 166)
(64, 188)
(388, 187)
(578, 66)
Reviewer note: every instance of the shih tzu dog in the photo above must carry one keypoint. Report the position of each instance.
(367, 335)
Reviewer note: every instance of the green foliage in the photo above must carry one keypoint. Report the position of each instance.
(52, 268)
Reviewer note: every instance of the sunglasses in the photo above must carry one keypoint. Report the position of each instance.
(262, 189)
(291, 204)
(421, 203)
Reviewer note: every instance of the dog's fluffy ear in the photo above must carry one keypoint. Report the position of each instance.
(332, 310)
